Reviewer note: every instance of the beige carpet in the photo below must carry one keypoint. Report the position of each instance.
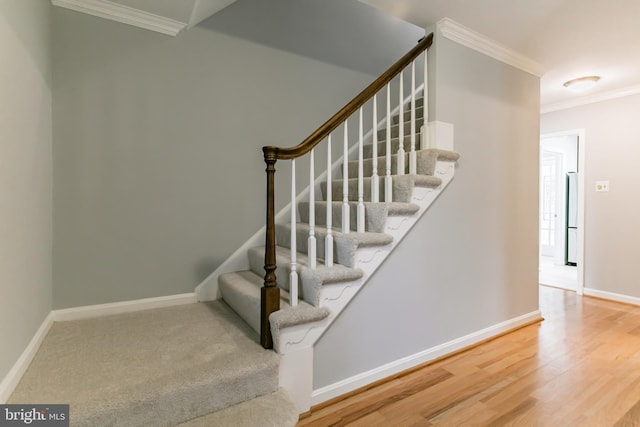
(157, 367)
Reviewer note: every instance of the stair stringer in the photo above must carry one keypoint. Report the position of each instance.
(295, 344)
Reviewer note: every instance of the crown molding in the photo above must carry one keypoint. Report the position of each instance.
(124, 14)
(476, 41)
(590, 99)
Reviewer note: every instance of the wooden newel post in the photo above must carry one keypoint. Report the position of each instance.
(270, 294)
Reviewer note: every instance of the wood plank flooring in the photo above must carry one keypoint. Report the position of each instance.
(579, 367)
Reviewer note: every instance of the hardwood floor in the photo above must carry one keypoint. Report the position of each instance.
(579, 367)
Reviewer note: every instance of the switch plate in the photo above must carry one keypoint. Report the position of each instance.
(602, 186)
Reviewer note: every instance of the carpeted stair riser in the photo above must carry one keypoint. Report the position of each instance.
(425, 163)
(367, 150)
(395, 130)
(241, 290)
(407, 106)
(310, 281)
(407, 115)
(344, 245)
(256, 264)
(376, 214)
(367, 166)
(402, 187)
(270, 410)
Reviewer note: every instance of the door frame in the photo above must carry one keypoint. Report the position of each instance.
(580, 133)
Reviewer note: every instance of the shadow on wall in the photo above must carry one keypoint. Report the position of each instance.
(353, 35)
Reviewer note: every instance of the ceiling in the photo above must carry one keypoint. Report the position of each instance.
(569, 38)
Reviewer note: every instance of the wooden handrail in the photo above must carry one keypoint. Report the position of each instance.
(323, 131)
(270, 293)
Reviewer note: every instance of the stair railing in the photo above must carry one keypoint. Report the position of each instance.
(270, 293)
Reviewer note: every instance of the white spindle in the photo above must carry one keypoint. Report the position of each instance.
(312, 213)
(345, 182)
(375, 190)
(293, 275)
(328, 240)
(424, 142)
(401, 128)
(412, 153)
(388, 181)
(360, 210)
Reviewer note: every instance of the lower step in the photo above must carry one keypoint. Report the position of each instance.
(157, 367)
(242, 291)
(271, 410)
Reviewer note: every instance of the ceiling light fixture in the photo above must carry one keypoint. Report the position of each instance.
(582, 84)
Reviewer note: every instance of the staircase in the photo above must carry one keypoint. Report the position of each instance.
(200, 364)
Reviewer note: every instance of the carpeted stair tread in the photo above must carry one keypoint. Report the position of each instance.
(425, 162)
(345, 245)
(271, 410)
(155, 367)
(395, 129)
(241, 291)
(288, 317)
(310, 281)
(402, 187)
(376, 214)
(445, 155)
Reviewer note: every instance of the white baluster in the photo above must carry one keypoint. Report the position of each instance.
(388, 181)
(360, 210)
(312, 213)
(401, 128)
(328, 240)
(412, 153)
(424, 142)
(375, 190)
(293, 276)
(345, 182)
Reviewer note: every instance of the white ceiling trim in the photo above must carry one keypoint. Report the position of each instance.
(124, 14)
(476, 41)
(590, 99)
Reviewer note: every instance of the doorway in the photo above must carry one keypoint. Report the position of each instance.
(561, 216)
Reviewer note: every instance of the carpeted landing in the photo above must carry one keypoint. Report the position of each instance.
(159, 367)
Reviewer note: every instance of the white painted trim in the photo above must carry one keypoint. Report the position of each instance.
(611, 296)
(124, 14)
(299, 386)
(590, 99)
(12, 378)
(481, 43)
(349, 384)
(582, 145)
(207, 290)
(89, 311)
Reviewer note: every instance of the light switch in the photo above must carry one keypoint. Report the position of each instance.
(602, 186)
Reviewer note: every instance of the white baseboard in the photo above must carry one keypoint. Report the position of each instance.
(98, 310)
(12, 379)
(345, 386)
(627, 299)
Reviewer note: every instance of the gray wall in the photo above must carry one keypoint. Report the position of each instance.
(25, 174)
(157, 160)
(471, 261)
(612, 133)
